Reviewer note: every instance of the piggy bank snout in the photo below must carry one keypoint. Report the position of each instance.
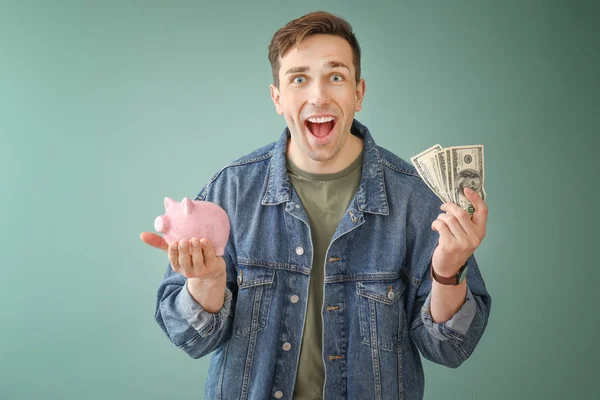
(161, 224)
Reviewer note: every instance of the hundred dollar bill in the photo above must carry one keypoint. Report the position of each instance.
(424, 163)
(443, 172)
(466, 169)
(443, 193)
(448, 176)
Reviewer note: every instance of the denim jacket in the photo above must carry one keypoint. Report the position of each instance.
(376, 316)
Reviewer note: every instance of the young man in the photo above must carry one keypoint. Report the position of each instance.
(340, 267)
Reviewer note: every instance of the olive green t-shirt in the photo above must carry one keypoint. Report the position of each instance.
(325, 198)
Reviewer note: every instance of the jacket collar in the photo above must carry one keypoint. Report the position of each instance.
(370, 197)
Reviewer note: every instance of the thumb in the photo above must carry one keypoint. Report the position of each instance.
(480, 216)
(154, 240)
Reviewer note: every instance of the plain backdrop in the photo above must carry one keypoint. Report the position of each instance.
(107, 107)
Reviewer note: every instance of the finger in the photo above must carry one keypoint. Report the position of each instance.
(446, 236)
(481, 210)
(197, 256)
(185, 258)
(462, 217)
(454, 226)
(209, 253)
(174, 256)
(154, 240)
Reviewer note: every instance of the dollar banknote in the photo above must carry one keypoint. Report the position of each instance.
(466, 171)
(444, 168)
(447, 171)
(428, 168)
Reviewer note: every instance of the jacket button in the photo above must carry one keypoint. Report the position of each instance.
(294, 298)
(299, 250)
(278, 394)
(391, 295)
(287, 346)
(240, 280)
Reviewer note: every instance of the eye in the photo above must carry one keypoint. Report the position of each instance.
(298, 79)
(339, 78)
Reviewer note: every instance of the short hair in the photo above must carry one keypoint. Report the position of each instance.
(318, 22)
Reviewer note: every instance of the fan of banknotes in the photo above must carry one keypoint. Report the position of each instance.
(447, 171)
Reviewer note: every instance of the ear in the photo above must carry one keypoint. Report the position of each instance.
(359, 95)
(188, 206)
(276, 97)
(168, 202)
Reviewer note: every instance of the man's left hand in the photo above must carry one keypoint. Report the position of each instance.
(460, 234)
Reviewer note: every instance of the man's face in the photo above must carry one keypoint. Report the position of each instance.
(318, 96)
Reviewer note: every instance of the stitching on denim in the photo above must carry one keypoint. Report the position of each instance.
(384, 195)
(266, 295)
(416, 323)
(414, 281)
(398, 169)
(375, 350)
(452, 333)
(272, 264)
(257, 282)
(209, 327)
(362, 291)
(362, 319)
(362, 221)
(203, 194)
(377, 297)
(371, 306)
(362, 277)
(267, 192)
(190, 343)
(251, 160)
(360, 197)
(458, 348)
(222, 372)
(264, 199)
(252, 341)
(400, 369)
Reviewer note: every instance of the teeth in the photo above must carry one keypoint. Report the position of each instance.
(321, 120)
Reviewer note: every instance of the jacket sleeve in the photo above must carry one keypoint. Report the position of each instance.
(187, 325)
(449, 343)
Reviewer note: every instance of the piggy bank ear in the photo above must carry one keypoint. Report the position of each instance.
(188, 206)
(168, 202)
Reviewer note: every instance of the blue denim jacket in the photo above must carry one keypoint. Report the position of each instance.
(376, 316)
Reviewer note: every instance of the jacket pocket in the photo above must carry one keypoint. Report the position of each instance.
(381, 313)
(255, 289)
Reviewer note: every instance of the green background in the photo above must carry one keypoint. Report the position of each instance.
(106, 107)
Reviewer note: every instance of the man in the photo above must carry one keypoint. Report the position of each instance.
(325, 289)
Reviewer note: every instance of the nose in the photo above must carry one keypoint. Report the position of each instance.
(319, 94)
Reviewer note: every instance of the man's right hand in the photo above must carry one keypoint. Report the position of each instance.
(196, 260)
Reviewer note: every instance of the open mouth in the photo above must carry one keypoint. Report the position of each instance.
(320, 127)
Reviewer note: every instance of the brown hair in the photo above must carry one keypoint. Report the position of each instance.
(318, 22)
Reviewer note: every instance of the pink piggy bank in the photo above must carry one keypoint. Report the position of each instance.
(194, 218)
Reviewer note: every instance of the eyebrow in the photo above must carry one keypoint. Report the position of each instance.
(330, 65)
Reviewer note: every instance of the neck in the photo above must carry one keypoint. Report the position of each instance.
(346, 155)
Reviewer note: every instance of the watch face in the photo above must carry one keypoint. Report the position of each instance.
(462, 274)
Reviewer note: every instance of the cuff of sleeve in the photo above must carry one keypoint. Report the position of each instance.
(203, 321)
(457, 326)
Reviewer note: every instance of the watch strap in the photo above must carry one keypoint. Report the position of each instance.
(453, 280)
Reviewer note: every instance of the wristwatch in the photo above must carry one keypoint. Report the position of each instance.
(453, 280)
